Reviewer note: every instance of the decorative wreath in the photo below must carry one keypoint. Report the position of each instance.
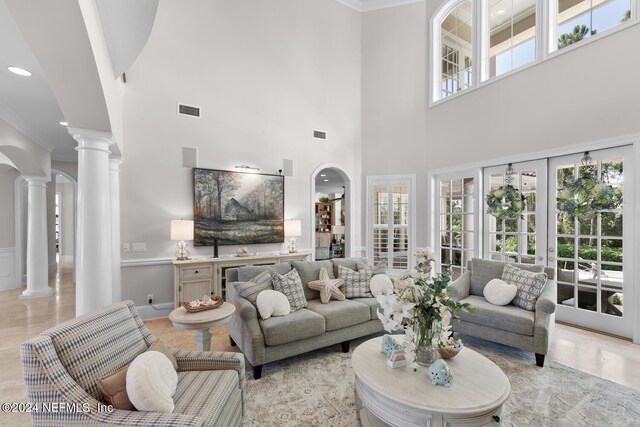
(505, 202)
(584, 197)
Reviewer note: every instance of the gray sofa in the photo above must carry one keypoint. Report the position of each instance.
(509, 325)
(316, 326)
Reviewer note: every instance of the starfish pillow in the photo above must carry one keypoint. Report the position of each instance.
(328, 287)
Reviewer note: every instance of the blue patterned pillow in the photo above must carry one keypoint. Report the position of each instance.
(529, 284)
(290, 284)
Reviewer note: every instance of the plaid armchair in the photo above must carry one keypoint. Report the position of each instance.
(63, 364)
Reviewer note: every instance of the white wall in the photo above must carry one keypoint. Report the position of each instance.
(67, 202)
(266, 73)
(585, 95)
(8, 277)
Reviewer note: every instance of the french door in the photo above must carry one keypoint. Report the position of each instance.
(524, 238)
(593, 256)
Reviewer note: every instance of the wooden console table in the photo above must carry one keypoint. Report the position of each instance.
(194, 278)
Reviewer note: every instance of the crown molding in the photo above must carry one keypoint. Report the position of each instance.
(18, 122)
(370, 5)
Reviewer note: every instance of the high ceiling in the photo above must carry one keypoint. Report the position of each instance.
(28, 102)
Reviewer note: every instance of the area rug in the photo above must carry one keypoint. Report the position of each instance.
(316, 389)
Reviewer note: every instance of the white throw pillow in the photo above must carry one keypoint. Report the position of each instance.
(499, 292)
(152, 382)
(272, 303)
(381, 284)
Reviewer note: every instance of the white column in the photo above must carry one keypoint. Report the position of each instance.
(114, 185)
(37, 249)
(94, 286)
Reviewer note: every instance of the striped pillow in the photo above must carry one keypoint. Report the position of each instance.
(250, 290)
(357, 283)
(529, 284)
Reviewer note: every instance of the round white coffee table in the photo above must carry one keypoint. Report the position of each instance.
(202, 321)
(401, 397)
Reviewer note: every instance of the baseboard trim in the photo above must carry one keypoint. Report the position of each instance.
(147, 312)
(7, 284)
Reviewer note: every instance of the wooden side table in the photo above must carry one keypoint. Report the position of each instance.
(202, 322)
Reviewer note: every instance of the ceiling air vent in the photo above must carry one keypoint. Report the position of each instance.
(188, 110)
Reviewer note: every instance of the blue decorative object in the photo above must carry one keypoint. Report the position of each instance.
(440, 374)
(389, 345)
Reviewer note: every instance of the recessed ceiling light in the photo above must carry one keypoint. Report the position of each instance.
(64, 123)
(322, 174)
(19, 71)
(326, 180)
(500, 12)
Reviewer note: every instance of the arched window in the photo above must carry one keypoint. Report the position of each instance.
(453, 40)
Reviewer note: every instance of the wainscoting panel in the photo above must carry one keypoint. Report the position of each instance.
(8, 278)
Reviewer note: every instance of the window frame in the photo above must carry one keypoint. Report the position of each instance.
(545, 33)
(390, 180)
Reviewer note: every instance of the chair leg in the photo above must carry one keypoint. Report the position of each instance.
(345, 346)
(231, 341)
(257, 372)
(540, 359)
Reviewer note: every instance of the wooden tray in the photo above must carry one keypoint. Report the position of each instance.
(218, 302)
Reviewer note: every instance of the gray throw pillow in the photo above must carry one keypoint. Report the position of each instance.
(291, 286)
(310, 271)
(357, 284)
(351, 263)
(529, 284)
(250, 290)
(379, 268)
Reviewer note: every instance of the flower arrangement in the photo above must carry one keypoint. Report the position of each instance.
(505, 202)
(420, 305)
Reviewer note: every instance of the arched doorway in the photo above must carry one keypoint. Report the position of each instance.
(331, 231)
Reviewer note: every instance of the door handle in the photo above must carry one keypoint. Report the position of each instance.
(540, 258)
(552, 250)
(552, 258)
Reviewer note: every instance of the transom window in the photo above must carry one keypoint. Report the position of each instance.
(505, 35)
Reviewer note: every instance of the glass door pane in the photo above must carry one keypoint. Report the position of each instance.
(521, 239)
(589, 253)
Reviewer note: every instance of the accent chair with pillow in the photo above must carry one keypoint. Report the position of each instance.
(313, 322)
(66, 364)
(525, 322)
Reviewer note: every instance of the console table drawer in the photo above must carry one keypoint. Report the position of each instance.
(196, 271)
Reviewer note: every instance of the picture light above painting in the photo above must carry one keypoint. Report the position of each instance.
(237, 208)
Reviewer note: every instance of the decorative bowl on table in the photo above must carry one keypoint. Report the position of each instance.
(206, 303)
(449, 352)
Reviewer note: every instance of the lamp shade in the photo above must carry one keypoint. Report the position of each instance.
(293, 228)
(181, 229)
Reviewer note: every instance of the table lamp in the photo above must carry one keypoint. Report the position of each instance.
(182, 230)
(293, 229)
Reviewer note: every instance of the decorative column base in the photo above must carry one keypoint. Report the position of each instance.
(38, 293)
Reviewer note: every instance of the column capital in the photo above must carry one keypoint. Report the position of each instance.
(36, 181)
(115, 163)
(91, 139)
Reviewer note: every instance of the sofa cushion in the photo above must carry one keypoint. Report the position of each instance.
(214, 396)
(378, 268)
(357, 284)
(503, 317)
(371, 303)
(310, 271)
(529, 286)
(245, 274)
(483, 270)
(340, 314)
(296, 326)
(250, 290)
(290, 285)
(351, 263)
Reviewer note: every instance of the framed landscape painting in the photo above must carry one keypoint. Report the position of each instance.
(237, 208)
